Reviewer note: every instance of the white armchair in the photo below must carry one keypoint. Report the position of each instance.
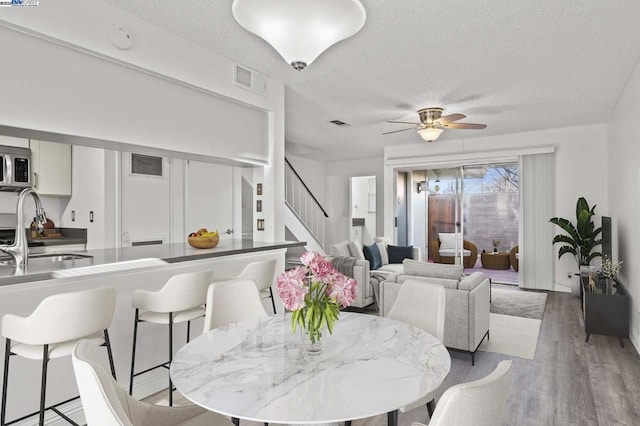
(467, 316)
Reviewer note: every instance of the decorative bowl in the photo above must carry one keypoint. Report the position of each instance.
(203, 242)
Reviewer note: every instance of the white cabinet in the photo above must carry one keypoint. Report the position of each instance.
(51, 167)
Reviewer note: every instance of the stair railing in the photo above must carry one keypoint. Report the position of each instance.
(303, 204)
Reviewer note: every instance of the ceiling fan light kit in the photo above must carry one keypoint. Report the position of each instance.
(300, 30)
(430, 134)
(432, 123)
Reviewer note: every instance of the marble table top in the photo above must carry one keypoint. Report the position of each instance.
(259, 370)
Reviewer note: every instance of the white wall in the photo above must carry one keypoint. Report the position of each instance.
(580, 161)
(338, 188)
(624, 192)
(92, 89)
(314, 175)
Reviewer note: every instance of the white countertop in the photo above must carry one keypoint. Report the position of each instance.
(97, 261)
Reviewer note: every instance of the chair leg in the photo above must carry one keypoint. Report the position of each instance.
(170, 357)
(133, 351)
(43, 385)
(473, 358)
(107, 343)
(188, 330)
(235, 420)
(273, 302)
(5, 380)
(431, 405)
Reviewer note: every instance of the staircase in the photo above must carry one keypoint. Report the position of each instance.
(304, 217)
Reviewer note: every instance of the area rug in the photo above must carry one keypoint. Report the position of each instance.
(519, 303)
(516, 316)
(511, 335)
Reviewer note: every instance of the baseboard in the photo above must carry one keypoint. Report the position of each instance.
(635, 343)
(144, 386)
(561, 288)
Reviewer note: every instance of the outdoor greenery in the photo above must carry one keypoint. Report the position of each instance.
(581, 239)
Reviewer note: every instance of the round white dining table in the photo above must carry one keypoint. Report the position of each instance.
(259, 370)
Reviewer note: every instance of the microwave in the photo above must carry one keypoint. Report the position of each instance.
(15, 168)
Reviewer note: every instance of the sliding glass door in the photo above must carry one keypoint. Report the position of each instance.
(470, 216)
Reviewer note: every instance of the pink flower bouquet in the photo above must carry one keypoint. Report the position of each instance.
(314, 292)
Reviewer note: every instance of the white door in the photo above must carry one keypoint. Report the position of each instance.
(145, 199)
(210, 198)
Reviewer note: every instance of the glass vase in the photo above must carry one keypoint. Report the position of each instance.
(609, 288)
(312, 342)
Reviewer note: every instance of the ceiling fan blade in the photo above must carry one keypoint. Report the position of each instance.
(465, 126)
(450, 118)
(402, 122)
(401, 130)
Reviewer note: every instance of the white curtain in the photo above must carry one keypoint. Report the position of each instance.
(537, 186)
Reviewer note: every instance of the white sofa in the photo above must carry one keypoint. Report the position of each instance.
(365, 295)
(467, 306)
(354, 249)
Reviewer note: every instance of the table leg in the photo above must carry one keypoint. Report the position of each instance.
(392, 418)
(587, 338)
(621, 342)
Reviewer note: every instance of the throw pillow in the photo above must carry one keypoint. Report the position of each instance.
(372, 254)
(448, 240)
(385, 240)
(355, 248)
(384, 255)
(341, 249)
(398, 253)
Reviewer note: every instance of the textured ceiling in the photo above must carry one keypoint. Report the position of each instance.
(513, 65)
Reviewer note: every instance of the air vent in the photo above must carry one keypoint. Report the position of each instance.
(250, 80)
(146, 165)
(338, 123)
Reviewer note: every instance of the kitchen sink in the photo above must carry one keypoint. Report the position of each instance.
(49, 257)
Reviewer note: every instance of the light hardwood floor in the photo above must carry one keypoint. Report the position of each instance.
(569, 382)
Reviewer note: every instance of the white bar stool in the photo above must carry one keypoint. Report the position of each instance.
(181, 299)
(52, 331)
(262, 273)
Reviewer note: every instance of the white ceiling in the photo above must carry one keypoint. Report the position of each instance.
(513, 65)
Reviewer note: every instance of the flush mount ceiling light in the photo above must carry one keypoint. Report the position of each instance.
(429, 134)
(300, 30)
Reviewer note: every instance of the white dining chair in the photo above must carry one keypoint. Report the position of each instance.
(262, 273)
(479, 403)
(422, 305)
(180, 300)
(105, 402)
(230, 301)
(53, 329)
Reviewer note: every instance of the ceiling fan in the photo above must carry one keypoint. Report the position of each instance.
(432, 123)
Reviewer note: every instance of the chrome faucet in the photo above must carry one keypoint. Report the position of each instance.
(19, 250)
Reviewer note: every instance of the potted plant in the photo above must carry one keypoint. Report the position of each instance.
(580, 239)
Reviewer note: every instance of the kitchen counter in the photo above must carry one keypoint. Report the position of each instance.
(98, 261)
(125, 270)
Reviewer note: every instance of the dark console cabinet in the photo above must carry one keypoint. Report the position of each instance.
(605, 313)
